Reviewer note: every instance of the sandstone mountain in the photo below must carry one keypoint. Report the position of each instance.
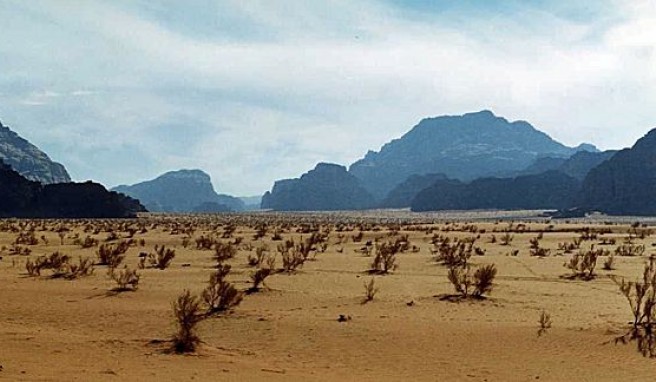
(403, 194)
(461, 147)
(549, 190)
(28, 160)
(328, 187)
(181, 191)
(577, 166)
(624, 184)
(20, 197)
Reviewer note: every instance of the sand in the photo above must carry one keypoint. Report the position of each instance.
(68, 330)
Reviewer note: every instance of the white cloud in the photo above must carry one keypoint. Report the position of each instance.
(329, 81)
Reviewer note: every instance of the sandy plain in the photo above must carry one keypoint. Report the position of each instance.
(76, 330)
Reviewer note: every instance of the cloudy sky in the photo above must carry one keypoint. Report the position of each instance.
(257, 90)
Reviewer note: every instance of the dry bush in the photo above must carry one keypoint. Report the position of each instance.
(26, 238)
(162, 257)
(370, 290)
(475, 285)
(112, 255)
(60, 265)
(385, 259)
(583, 264)
(205, 242)
(258, 277)
(609, 263)
(536, 250)
(641, 296)
(187, 312)
(220, 295)
(224, 252)
(126, 279)
(456, 254)
(545, 323)
(506, 239)
(260, 254)
(630, 250)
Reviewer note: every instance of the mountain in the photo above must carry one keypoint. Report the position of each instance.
(549, 190)
(577, 166)
(28, 160)
(181, 191)
(461, 147)
(252, 203)
(328, 187)
(624, 184)
(403, 194)
(20, 197)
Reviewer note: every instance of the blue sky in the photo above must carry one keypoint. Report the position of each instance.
(254, 91)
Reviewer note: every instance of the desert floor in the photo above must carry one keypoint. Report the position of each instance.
(67, 330)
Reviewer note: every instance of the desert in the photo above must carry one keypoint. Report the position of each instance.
(539, 321)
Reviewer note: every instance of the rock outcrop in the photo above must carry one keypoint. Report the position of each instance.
(181, 191)
(328, 187)
(28, 160)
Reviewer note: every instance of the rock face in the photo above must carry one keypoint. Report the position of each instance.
(28, 160)
(20, 197)
(329, 187)
(181, 191)
(403, 194)
(462, 147)
(577, 166)
(549, 190)
(624, 184)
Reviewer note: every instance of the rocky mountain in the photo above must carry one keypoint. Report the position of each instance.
(549, 190)
(402, 195)
(328, 187)
(461, 147)
(20, 197)
(181, 191)
(625, 184)
(577, 166)
(28, 160)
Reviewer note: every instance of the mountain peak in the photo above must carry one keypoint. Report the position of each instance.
(28, 160)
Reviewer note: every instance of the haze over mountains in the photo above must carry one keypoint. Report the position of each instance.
(473, 161)
(181, 191)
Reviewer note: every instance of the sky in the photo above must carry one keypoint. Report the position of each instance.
(252, 91)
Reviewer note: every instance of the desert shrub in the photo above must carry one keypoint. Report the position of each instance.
(60, 265)
(641, 296)
(205, 242)
(26, 238)
(258, 277)
(385, 259)
(292, 259)
(544, 323)
(112, 255)
(370, 290)
(630, 250)
(126, 279)
(474, 285)
(506, 239)
(536, 250)
(224, 252)
(609, 263)
(187, 312)
(220, 295)
(257, 259)
(162, 257)
(583, 264)
(456, 254)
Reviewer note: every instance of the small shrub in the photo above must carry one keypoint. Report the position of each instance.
(162, 257)
(220, 295)
(187, 312)
(475, 285)
(370, 290)
(258, 277)
(126, 279)
(385, 259)
(545, 323)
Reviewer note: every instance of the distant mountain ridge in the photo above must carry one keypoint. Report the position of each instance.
(549, 190)
(23, 198)
(181, 191)
(28, 160)
(328, 187)
(462, 147)
(577, 166)
(624, 184)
